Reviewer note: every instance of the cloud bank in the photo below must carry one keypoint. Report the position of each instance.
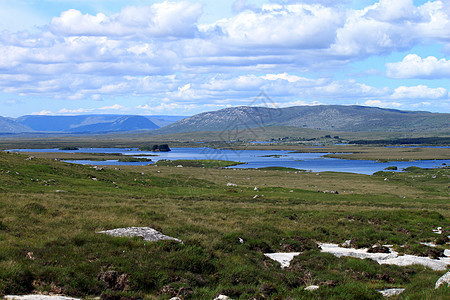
(162, 52)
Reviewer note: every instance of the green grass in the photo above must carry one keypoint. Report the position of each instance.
(50, 213)
(207, 163)
(280, 169)
(134, 159)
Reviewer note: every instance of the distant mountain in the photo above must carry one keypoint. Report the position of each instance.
(324, 117)
(10, 126)
(162, 121)
(127, 123)
(62, 123)
(87, 123)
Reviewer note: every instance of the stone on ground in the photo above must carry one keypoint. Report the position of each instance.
(311, 288)
(283, 258)
(445, 279)
(392, 258)
(38, 297)
(222, 297)
(147, 233)
(391, 292)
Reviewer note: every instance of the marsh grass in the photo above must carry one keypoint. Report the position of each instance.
(50, 213)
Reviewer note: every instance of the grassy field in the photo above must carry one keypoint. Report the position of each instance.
(50, 213)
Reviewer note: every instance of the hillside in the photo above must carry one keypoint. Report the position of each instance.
(163, 120)
(11, 126)
(127, 123)
(325, 117)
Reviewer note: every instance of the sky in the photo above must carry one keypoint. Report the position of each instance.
(143, 57)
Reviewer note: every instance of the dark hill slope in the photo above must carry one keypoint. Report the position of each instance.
(325, 117)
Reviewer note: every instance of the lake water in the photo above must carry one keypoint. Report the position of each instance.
(254, 158)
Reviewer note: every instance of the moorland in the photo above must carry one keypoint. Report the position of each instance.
(51, 213)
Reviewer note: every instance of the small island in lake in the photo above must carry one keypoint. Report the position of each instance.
(156, 148)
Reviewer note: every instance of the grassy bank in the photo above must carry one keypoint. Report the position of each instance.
(50, 213)
(204, 163)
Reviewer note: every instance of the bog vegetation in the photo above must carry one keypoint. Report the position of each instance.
(50, 213)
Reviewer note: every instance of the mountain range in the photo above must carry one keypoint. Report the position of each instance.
(324, 117)
(8, 125)
(83, 123)
(87, 123)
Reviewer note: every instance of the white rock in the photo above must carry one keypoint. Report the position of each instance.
(39, 297)
(175, 298)
(256, 189)
(387, 258)
(347, 243)
(179, 166)
(231, 184)
(222, 297)
(147, 233)
(445, 279)
(391, 292)
(438, 230)
(311, 288)
(283, 258)
(433, 245)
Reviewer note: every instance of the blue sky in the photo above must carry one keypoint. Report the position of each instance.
(64, 57)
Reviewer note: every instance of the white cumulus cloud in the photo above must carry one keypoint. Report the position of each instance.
(419, 92)
(413, 66)
(161, 51)
(297, 25)
(175, 19)
(379, 103)
(390, 26)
